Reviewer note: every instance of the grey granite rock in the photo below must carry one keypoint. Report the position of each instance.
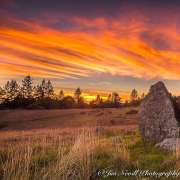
(157, 115)
(170, 144)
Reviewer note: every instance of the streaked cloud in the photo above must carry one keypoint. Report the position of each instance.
(73, 45)
(120, 48)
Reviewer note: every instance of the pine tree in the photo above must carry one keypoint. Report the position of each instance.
(44, 90)
(134, 95)
(2, 93)
(40, 90)
(11, 90)
(98, 99)
(77, 94)
(39, 93)
(27, 88)
(49, 90)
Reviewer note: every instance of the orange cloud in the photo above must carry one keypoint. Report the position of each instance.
(96, 46)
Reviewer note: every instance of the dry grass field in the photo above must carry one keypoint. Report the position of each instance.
(69, 118)
(76, 145)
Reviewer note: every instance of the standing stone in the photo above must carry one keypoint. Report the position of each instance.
(169, 144)
(157, 115)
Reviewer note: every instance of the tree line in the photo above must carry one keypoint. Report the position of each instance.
(42, 96)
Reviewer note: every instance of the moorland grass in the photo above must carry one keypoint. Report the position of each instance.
(78, 155)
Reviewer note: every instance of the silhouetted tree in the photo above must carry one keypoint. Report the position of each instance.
(134, 95)
(61, 95)
(11, 90)
(39, 92)
(49, 90)
(77, 94)
(98, 102)
(42, 96)
(2, 94)
(44, 90)
(92, 104)
(27, 88)
(109, 99)
(142, 96)
(81, 103)
(68, 102)
(134, 99)
(116, 99)
(98, 99)
(44, 93)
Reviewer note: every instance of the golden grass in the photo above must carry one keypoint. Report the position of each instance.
(177, 154)
(77, 154)
(56, 154)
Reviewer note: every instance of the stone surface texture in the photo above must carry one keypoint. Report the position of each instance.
(169, 144)
(158, 118)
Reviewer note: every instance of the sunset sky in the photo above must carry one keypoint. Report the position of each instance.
(98, 45)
